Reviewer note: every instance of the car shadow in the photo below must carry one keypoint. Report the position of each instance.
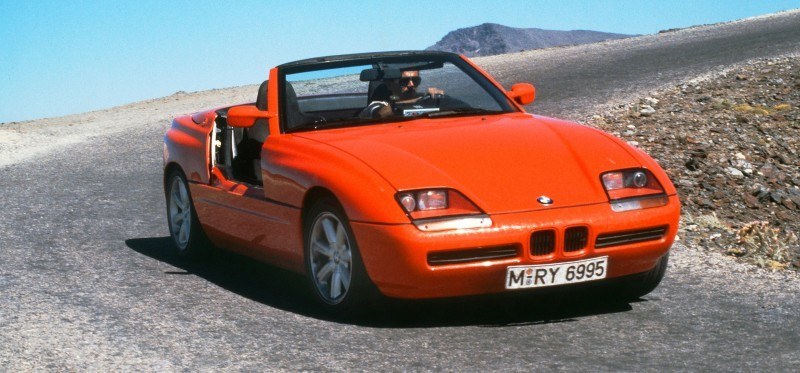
(525, 308)
(287, 291)
(246, 277)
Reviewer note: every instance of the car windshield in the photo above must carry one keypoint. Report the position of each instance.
(369, 91)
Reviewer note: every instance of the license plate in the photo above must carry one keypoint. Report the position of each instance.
(522, 277)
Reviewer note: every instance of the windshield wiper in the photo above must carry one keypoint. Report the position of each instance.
(353, 122)
(347, 122)
(454, 112)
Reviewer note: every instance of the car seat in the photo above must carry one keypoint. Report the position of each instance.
(294, 116)
(260, 129)
(257, 134)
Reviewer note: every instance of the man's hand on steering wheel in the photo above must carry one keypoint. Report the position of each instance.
(376, 109)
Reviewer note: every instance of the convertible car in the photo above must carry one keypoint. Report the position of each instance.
(415, 175)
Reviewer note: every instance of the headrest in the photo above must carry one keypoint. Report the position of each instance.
(261, 99)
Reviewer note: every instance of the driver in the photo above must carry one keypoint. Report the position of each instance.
(409, 82)
(403, 91)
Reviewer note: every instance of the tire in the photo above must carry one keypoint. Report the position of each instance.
(336, 274)
(184, 227)
(641, 285)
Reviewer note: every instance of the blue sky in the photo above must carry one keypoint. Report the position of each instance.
(64, 57)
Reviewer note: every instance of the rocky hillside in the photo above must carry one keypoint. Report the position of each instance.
(731, 145)
(490, 39)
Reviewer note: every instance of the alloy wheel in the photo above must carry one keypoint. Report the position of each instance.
(331, 258)
(180, 213)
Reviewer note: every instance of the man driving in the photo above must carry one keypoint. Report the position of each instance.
(409, 81)
(402, 91)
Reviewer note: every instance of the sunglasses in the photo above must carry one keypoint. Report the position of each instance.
(405, 81)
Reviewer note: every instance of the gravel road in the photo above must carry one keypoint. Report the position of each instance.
(87, 281)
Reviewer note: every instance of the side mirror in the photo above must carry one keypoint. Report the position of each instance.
(245, 116)
(522, 93)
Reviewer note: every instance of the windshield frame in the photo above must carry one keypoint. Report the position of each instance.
(326, 63)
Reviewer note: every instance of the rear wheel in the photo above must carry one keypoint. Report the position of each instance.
(184, 227)
(336, 273)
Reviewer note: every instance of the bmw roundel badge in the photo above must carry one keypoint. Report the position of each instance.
(545, 200)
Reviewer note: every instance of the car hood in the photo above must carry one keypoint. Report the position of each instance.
(503, 163)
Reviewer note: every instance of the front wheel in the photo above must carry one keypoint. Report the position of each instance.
(641, 285)
(335, 271)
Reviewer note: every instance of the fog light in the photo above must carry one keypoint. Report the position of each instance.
(639, 203)
(470, 222)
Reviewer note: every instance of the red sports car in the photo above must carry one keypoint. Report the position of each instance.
(415, 175)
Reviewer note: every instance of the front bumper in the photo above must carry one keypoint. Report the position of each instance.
(396, 256)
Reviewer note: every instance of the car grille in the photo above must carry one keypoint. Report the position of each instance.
(575, 238)
(543, 242)
(624, 238)
(472, 255)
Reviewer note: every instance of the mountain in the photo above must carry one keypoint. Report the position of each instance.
(490, 39)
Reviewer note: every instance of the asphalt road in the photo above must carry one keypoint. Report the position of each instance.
(87, 281)
(570, 79)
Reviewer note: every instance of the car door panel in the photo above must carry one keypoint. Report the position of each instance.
(237, 216)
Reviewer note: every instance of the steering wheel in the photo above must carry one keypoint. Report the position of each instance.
(373, 110)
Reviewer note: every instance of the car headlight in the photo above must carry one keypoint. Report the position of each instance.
(439, 209)
(633, 189)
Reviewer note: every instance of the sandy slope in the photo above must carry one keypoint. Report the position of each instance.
(20, 141)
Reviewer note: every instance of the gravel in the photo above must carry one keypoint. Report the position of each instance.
(731, 144)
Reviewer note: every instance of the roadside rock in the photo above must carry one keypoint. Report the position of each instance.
(731, 144)
(646, 110)
(734, 172)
